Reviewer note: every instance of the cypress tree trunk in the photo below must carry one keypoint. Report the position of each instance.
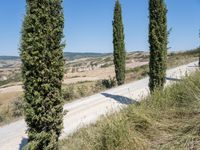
(118, 44)
(42, 70)
(158, 40)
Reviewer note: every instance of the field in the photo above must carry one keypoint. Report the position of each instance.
(83, 77)
(169, 119)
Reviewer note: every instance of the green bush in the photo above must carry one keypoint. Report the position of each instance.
(68, 93)
(104, 84)
(109, 83)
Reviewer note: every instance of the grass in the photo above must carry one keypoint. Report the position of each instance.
(167, 120)
(181, 58)
(6, 98)
(14, 78)
(83, 89)
(11, 111)
(11, 104)
(174, 60)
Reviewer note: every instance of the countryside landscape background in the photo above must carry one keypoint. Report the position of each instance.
(102, 81)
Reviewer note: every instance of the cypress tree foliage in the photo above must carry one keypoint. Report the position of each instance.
(118, 44)
(42, 58)
(199, 49)
(158, 40)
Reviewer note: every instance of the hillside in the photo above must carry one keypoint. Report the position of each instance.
(67, 55)
(73, 56)
(9, 58)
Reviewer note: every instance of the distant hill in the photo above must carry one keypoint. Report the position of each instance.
(67, 55)
(72, 56)
(9, 57)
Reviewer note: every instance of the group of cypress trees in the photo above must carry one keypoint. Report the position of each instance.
(43, 64)
(158, 40)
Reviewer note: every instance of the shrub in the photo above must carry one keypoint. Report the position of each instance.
(17, 108)
(109, 83)
(69, 93)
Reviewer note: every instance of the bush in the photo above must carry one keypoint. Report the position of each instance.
(109, 83)
(83, 91)
(17, 108)
(68, 93)
(11, 111)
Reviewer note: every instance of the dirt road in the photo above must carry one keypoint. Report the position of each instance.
(88, 110)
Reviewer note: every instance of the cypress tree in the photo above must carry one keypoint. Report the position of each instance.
(199, 49)
(158, 40)
(118, 44)
(42, 58)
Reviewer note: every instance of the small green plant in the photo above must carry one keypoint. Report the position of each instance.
(69, 93)
(109, 83)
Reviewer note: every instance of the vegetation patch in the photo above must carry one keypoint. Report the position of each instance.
(11, 111)
(169, 119)
(83, 89)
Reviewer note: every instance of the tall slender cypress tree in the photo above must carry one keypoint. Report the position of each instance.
(158, 40)
(118, 44)
(199, 49)
(42, 70)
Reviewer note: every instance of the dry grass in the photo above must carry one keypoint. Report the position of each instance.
(6, 98)
(11, 111)
(167, 120)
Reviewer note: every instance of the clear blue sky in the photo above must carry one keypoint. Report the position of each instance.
(88, 24)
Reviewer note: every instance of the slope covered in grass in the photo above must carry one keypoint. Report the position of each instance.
(167, 120)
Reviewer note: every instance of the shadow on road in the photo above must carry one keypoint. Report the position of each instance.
(120, 99)
(173, 79)
(24, 141)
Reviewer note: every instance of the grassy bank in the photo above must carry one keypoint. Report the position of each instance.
(168, 120)
(173, 60)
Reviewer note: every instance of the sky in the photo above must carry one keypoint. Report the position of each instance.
(88, 25)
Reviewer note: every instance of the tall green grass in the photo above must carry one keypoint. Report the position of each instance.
(167, 120)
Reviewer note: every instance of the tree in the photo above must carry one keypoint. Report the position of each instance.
(158, 40)
(199, 49)
(42, 58)
(118, 44)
